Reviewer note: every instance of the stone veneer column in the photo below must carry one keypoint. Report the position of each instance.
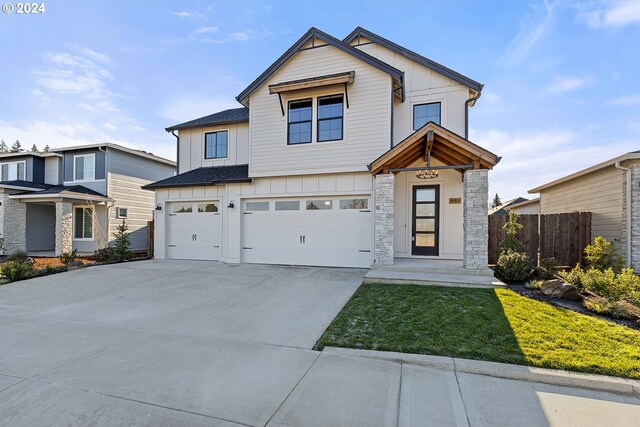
(476, 220)
(14, 224)
(634, 193)
(384, 219)
(64, 227)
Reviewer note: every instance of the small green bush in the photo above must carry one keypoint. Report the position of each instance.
(16, 270)
(574, 277)
(616, 309)
(602, 255)
(514, 266)
(534, 284)
(18, 256)
(122, 246)
(104, 254)
(608, 284)
(596, 304)
(67, 257)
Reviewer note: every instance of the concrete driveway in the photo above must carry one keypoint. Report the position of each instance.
(177, 343)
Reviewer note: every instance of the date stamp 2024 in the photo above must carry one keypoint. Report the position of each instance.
(24, 8)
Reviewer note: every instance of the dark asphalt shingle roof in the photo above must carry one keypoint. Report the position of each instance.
(233, 115)
(205, 176)
(79, 189)
(26, 184)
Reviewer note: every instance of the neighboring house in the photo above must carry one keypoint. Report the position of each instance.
(75, 197)
(528, 207)
(602, 190)
(324, 164)
(502, 208)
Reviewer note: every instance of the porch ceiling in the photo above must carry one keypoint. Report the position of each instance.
(446, 146)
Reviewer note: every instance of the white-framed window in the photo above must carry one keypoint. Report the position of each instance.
(12, 171)
(84, 167)
(83, 224)
(122, 213)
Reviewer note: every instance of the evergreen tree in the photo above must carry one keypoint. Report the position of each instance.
(496, 201)
(3, 146)
(122, 246)
(34, 149)
(46, 148)
(16, 147)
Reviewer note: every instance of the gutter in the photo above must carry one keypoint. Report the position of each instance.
(466, 112)
(628, 201)
(173, 132)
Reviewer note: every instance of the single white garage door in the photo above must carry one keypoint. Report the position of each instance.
(193, 230)
(329, 231)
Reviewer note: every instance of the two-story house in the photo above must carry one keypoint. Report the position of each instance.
(346, 153)
(75, 197)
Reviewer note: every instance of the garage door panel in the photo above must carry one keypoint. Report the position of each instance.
(193, 234)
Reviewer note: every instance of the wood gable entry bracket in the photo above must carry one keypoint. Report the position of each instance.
(428, 145)
(281, 106)
(346, 94)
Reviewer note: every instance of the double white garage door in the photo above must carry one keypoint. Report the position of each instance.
(330, 231)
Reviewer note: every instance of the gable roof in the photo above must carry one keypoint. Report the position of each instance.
(447, 72)
(232, 115)
(205, 176)
(339, 44)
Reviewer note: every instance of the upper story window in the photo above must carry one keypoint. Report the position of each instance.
(84, 167)
(13, 171)
(330, 113)
(425, 113)
(300, 121)
(215, 145)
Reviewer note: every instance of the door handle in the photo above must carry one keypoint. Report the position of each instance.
(300, 238)
(304, 239)
(196, 237)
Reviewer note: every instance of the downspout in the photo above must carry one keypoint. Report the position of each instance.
(628, 219)
(173, 132)
(466, 113)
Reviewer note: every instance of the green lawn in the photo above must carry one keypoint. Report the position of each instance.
(497, 325)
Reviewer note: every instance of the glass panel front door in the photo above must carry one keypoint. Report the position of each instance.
(426, 205)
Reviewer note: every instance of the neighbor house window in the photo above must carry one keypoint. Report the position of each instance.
(330, 113)
(425, 113)
(215, 145)
(84, 167)
(122, 212)
(13, 171)
(83, 223)
(299, 121)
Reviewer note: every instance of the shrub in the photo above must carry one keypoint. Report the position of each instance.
(514, 266)
(608, 284)
(511, 242)
(617, 309)
(67, 257)
(596, 304)
(19, 256)
(602, 255)
(104, 254)
(534, 284)
(574, 277)
(122, 246)
(16, 270)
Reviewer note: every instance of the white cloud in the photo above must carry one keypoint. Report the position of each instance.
(240, 36)
(191, 107)
(535, 157)
(196, 16)
(567, 84)
(626, 100)
(610, 13)
(205, 30)
(110, 126)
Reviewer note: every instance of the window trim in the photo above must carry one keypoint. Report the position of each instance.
(24, 169)
(318, 119)
(85, 179)
(289, 123)
(205, 145)
(93, 224)
(413, 113)
(120, 216)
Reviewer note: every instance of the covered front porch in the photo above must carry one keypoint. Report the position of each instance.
(431, 201)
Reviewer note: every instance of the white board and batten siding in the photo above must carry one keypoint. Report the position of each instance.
(422, 85)
(127, 173)
(367, 121)
(192, 146)
(599, 192)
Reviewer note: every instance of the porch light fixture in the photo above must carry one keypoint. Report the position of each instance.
(231, 205)
(428, 173)
(158, 208)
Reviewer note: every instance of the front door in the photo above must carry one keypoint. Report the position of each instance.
(426, 206)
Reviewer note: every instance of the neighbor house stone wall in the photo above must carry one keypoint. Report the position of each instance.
(384, 219)
(64, 227)
(634, 194)
(14, 223)
(475, 219)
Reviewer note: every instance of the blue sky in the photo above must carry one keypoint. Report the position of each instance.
(561, 78)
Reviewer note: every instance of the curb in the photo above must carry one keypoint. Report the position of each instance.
(501, 370)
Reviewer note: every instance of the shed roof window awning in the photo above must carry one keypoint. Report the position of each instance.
(432, 140)
(329, 79)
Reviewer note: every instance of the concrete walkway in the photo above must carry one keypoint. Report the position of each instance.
(171, 343)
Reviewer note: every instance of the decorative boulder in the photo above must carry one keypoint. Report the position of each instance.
(568, 292)
(551, 286)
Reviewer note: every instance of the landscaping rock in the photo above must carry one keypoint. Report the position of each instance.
(568, 292)
(550, 286)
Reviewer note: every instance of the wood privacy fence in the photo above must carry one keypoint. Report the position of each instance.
(561, 236)
(150, 238)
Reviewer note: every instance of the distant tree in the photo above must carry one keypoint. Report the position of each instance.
(3, 146)
(496, 201)
(16, 147)
(46, 148)
(34, 149)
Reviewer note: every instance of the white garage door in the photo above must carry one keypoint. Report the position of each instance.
(193, 230)
(329, 231)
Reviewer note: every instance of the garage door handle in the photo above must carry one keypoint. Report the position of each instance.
(300, 238)
(304, 239)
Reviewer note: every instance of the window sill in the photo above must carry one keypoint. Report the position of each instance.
(83, 181)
